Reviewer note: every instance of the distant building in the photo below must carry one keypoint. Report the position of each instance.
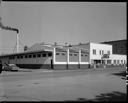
(118, 46)
(100, 54)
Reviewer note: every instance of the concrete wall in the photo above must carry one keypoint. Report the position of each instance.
(84, 57)
(73, 57)
(62, 57)
(120, 59)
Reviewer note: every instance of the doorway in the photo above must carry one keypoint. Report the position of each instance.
(52, 64)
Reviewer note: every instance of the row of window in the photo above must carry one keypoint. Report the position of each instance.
(119, 61)
(101, 52)
(31, 56)
(70, 54)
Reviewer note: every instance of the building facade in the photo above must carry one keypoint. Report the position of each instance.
(102, 55)
(49, 57)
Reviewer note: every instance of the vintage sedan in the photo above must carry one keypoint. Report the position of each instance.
(10, 67)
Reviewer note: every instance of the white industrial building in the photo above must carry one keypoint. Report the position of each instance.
(101, 54)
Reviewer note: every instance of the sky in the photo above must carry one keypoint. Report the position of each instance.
(61, 22)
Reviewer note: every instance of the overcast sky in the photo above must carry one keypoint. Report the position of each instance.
(71, 22)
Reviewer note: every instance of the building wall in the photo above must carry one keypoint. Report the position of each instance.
(120, 59)
(61, 56)
(73, 57)
(119, 46)
(99, 47)
(84, 57)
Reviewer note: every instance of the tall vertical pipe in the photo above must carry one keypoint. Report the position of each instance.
(17, 42)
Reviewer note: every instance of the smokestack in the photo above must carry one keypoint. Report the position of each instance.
(12, 29)
(7, 27)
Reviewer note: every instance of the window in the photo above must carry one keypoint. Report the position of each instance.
(30, 56)
(63, 53)
(86, 55)
(49, 54)
(114, 61)
(18, 57)
(10, 57)
(44, 55)
(26, 56)
(38, 55)
(122, 61)
(94, 51)
(108, 52)
(21, 56)
(57, 53)
(108, 61)
(75, 54)
(34, 55)
(81, 54)
(70, 54)
(100, 52)
(13, 57)
(117, 61)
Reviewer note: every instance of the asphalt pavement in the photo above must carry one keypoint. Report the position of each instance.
(61, 85)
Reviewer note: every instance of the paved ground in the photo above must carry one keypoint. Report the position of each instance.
(63, 85)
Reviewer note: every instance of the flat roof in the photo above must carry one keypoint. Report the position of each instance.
(27, 52)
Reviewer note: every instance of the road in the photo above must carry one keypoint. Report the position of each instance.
(60, 85)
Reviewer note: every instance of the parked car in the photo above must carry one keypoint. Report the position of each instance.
(10, 67)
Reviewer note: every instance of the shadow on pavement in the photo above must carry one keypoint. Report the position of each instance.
(107, 97)
(114, 96)
(121, 74)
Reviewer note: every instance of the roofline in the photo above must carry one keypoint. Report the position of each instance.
(102, 44)
(46, 50)
(114, 41)
(26, 52)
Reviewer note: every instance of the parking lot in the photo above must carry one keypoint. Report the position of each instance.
(100, 84)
